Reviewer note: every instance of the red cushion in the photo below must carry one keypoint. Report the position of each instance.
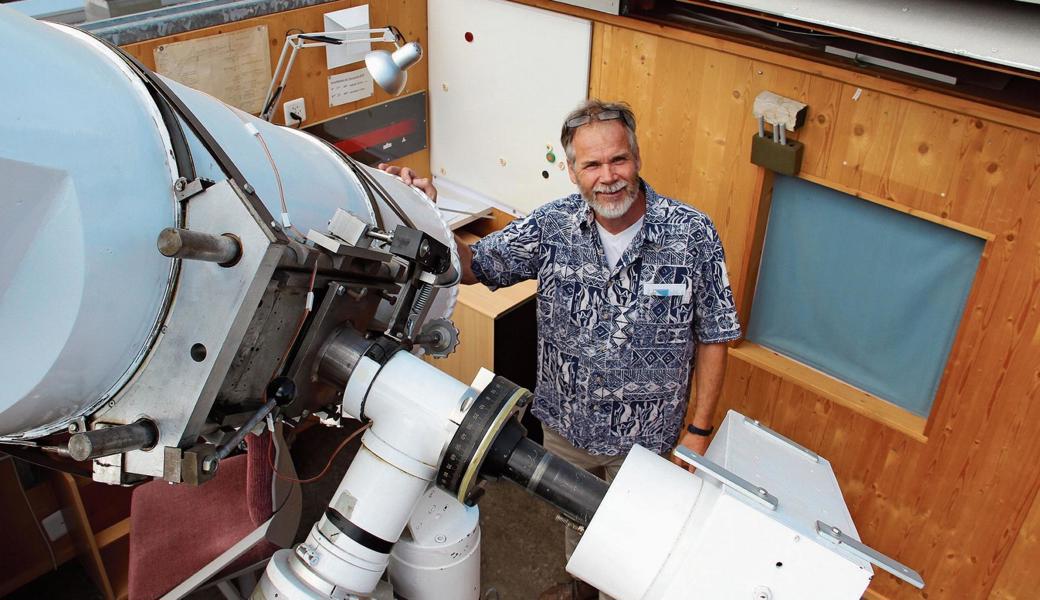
(175, 530)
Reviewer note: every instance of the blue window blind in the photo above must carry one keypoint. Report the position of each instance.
(869, 295)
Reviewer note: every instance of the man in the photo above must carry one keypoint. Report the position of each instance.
(632, 290)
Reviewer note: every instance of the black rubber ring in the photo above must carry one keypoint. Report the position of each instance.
(359, 535)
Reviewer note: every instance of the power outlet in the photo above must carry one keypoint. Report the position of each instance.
(54, 525)
(295, 106)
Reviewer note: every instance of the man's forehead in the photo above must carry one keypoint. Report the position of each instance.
(599, 140)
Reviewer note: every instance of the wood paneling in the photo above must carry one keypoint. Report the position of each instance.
(951, 506)
(1018, 578)
(475, 314)
(824, 66)
(309, 78)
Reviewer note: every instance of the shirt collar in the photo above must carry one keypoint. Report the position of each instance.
(655, 216)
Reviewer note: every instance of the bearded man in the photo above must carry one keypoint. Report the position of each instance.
(632, 292)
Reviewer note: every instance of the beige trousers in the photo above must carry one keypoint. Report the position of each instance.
(605, 467)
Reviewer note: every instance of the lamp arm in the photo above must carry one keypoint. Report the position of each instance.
(388, 35)
(275, 92)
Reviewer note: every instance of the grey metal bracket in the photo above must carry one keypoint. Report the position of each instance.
(858, 548)
(812, 455)
(184, 189)
(757, 494)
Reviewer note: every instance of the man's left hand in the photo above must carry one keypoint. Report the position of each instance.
(697, 443)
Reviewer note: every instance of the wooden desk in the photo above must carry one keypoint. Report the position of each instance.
(497, 331)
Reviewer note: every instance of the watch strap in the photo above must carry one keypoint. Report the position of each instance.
(691, 428)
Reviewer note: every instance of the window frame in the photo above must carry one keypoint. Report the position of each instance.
(823, 384)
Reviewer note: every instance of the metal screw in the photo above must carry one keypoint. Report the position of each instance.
(762, 492)
(440, 539)
(835, 531)
(424, 249)
(248, 188)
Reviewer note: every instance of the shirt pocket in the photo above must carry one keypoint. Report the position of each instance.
(666, 310)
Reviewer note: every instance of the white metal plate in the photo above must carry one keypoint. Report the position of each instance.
(1004, 33)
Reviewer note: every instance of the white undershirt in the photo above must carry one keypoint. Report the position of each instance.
(615, 245)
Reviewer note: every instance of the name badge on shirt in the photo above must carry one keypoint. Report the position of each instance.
(664, 289)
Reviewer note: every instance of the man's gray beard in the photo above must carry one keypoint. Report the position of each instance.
(613, 210)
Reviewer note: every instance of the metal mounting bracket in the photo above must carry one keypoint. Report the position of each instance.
(858, 548)
(729, 479)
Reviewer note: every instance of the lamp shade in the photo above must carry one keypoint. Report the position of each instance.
(388, 70)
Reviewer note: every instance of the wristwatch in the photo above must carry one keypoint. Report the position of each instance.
(691, 428)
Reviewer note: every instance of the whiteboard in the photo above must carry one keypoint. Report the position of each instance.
(497, 102)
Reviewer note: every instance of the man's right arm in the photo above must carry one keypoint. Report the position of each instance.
(426, 186)
(466, 260)
(506, 257)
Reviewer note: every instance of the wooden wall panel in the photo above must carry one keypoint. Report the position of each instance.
(953, 505)
(694, 106)
(309, 78)
(1019, 579)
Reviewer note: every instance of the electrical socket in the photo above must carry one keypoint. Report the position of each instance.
(294, 106)
(54, 525)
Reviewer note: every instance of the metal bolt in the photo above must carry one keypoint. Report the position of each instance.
(180, 184)
(762, 492)
(248, 188)
(835, 531)
(440, 539)
(424, 249)
(73, 428)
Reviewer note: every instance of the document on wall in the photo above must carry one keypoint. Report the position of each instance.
(346, 20)
(234, 67)
(349, 87)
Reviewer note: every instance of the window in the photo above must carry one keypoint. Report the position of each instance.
(867, 294)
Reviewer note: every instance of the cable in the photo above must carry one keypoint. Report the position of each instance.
(289, 492)
(277, 174)
(335, 453)
(307, 308)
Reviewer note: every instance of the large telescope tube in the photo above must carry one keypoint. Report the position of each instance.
(90, 177)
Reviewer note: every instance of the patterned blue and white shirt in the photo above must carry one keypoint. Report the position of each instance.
(615, 346)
